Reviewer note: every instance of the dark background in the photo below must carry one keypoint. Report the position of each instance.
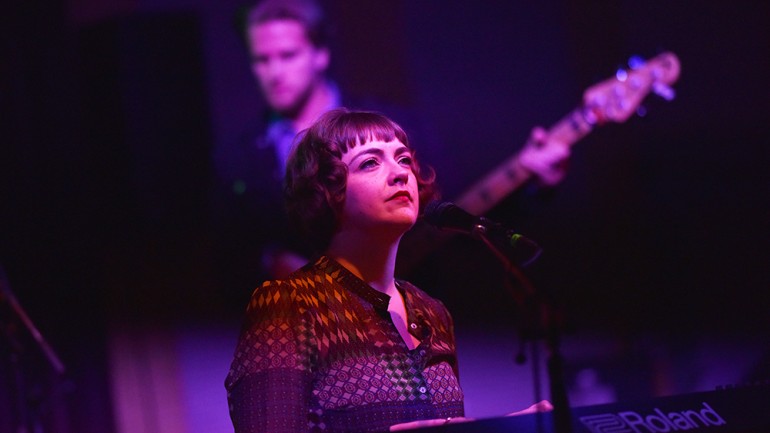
(110, 112)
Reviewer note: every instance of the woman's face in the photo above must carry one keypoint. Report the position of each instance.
(381, 191)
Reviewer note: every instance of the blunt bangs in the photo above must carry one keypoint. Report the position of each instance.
(361, 127)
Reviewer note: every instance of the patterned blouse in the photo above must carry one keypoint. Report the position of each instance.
(319, 352)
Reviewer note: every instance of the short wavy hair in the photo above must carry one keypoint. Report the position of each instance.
(316, 177)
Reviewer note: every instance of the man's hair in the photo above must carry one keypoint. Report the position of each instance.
(307, 13)
(316, 177)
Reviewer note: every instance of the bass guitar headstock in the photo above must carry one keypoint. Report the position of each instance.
(617, 98)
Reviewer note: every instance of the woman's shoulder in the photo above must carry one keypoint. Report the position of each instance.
(298, 287)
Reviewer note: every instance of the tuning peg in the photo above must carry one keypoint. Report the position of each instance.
(635, 62)
(664, 91)
(621, 75)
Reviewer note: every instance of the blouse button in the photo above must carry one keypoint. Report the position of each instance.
(413, 326)
(423, 389)
(422, 353)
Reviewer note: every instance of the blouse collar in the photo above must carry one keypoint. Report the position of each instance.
(341, 274)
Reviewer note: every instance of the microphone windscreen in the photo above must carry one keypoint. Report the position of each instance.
(447, 215)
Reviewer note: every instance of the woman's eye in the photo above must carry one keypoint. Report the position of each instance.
(369, 163)
(406, 160)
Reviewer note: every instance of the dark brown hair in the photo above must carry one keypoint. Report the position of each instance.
(316, 177)
(307, 13)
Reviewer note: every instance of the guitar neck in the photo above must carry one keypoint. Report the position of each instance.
(511, 174)
(493, 188)
(612, 100)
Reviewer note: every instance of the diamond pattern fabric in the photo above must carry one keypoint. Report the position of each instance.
(318, 352)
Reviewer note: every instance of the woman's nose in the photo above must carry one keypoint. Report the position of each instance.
(401, 178)
(400, 174)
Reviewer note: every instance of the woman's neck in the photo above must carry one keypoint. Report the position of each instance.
(371, 259)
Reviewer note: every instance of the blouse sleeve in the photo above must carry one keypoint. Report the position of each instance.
(270, 380)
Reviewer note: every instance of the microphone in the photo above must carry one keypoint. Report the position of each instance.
(450, 217)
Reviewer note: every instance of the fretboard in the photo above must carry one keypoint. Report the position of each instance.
(511, 175)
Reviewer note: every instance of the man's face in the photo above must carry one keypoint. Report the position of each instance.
(285, 63)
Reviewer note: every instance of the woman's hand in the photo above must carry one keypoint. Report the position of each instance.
(541, 406)
(428, 423)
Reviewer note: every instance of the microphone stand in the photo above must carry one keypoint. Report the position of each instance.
(539, 320)
(27, 421)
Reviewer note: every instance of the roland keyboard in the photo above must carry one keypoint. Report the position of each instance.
(737, 410)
